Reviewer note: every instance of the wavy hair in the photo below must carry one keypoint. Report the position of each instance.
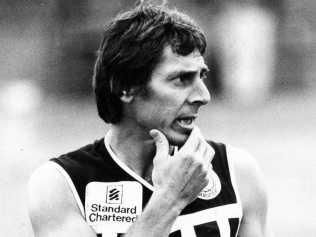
(131, 47)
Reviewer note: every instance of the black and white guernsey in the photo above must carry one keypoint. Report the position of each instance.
(109, 194)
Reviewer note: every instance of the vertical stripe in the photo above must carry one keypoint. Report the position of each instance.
(188, 231)
(224, 228)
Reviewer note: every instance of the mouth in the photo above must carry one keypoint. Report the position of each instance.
(186, 123)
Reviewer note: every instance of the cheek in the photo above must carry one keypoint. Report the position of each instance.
(157, 111)
(160, 104)
(166, 99)
(166, 105)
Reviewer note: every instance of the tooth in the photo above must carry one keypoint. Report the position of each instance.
(186, 121)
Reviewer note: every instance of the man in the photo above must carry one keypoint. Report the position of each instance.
(153, 174)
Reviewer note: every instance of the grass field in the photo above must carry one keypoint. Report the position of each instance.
(281, 134)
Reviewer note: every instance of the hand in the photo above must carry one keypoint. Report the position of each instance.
(181, 177)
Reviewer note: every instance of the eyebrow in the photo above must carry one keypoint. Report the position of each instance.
(183, 72)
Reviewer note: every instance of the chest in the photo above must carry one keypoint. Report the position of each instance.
(112, 207)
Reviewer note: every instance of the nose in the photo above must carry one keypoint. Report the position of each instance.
(199, 94)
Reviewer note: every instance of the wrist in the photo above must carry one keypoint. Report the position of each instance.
(167, 202)
(157, 218)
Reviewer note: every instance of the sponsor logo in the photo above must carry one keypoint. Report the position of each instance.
(113, 206)
(114, 194)
(110, 213)
(213, 187)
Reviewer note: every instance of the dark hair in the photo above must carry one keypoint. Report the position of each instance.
(132, 46)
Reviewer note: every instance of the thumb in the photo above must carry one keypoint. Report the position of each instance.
(161, 142)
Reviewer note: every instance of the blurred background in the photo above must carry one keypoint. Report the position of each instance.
(262, 58)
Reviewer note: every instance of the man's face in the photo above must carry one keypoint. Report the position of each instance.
(174, 95)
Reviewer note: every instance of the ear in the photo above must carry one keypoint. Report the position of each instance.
(127, 96)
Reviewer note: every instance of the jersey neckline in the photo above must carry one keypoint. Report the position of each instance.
(123, 166)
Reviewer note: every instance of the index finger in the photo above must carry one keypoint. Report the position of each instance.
(193, 140)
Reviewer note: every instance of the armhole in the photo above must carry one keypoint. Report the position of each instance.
(70, 184)
(230, 153)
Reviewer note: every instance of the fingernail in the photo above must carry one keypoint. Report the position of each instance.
(153, 133)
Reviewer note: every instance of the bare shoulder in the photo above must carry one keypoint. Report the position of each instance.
(48, 188)
(253, 193)
(250, 179)
(52, 207)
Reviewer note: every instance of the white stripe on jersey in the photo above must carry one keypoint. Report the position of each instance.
(219, 214)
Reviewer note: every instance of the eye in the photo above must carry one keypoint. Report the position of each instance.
(184, 79)
(204, 75)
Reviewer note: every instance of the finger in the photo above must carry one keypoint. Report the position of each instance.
(211, 152)
(203, 151)
(192, 142)
(203, 154)
(161, 142)
(209, 155)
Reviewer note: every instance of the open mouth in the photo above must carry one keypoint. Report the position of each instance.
(186, 122)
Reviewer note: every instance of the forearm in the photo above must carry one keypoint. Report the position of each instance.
(157, 218)
(177, 181)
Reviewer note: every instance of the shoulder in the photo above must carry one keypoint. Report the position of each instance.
(250, 179)
(45, 179)
(242, 161)
(52, 207)
(252, 190)
(49, 197)
(95, 148)
(251, 187)
(246, 170)
(82, 159)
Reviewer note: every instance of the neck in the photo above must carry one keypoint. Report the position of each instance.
(136, 149)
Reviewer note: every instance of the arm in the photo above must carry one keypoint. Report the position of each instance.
(177, 182)
(253, 194)
(52, 208)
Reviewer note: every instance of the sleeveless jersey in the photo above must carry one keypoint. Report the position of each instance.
(109, 194)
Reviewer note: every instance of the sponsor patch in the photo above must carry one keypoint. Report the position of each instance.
(113, 206)
(213, 187)
(114, 194)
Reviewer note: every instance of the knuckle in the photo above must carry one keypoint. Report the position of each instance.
(198, 164)
(204, 176)
(204, 169)
(188, 159)
(205, 182)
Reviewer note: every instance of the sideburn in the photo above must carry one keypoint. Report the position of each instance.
(144, 92)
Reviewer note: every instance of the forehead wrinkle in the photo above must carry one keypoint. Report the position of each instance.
(188, 63)
(188, 66)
